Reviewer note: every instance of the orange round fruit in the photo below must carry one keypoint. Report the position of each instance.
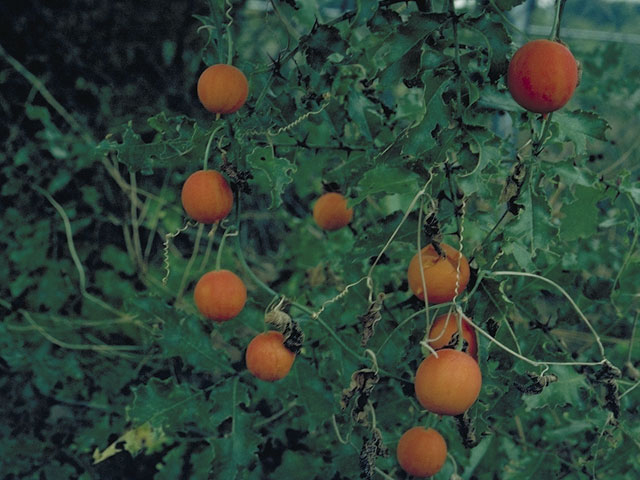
(206, 196)
(222, 88)
(542, 76)
(267, 358)
(440, 273)
(331, 213)
(446, 326)
(220, 295)
(448, 384)
(421, 451)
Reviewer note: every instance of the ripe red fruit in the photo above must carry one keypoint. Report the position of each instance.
(220, 295)
(222, 88)
(542, 76)
(421, 451)
(448, 384)
(267, 358)
(206, 196)
(330, 211)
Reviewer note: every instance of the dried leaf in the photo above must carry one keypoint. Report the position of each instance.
(290, 329)
(362, 383)
(514, 183)
(371, 449)
(369, 319)
(466, 430)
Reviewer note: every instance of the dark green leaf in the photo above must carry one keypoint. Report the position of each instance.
(272, 173)
(581, 218)
(577, 126)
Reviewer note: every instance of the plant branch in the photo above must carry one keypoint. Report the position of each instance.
(555, 30)
(566, 295)
(74, 254)
(76, 346)
(194, 254)
(50, 99)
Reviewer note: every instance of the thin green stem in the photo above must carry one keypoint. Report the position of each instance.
(234, 403)
(288, 27)
(402, 324)
(373, 414)
(415, 199)
(210, 237)
(337, 431)
(488, 235)
(540, 140)
(276, 416)
(630, 250)
(40, 87)
(505, 19)
(208, 149)
(229, 36)
(565, 294)
(75, 346)
(452, 193)
(251, 273)
(555, 30)
(226, 234)
(454, 22)
(535, 363)
(383, 474)
(187, 271)
(513, 334)
(633, 334)
(135, 223)
(631, 389)
(74, 254)
(421, 268)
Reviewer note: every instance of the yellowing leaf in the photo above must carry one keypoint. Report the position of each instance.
(144, 437)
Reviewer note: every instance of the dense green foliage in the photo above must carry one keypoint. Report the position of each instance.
(108, 370)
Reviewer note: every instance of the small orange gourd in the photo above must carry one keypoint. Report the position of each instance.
(542, 76)
(421, 452)
(330, 211)
(220, 295)
(267, 358)
(206, 196)
(222, 88)
(440, 273)
(449, 383)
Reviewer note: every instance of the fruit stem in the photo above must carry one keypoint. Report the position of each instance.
(421, 269)
(539, 141)
(229, 37)
(227, 233)
(208, 149)
(187, 270)
(555, 30)
(337, 431)
(631, 337)
(74, 254)
(373, 414)
(452, 193)
(454, 23)
(489, 234)
(460, 342)
(535, 363)
(566, 295)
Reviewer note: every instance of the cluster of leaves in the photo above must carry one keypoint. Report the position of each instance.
(383, 101)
